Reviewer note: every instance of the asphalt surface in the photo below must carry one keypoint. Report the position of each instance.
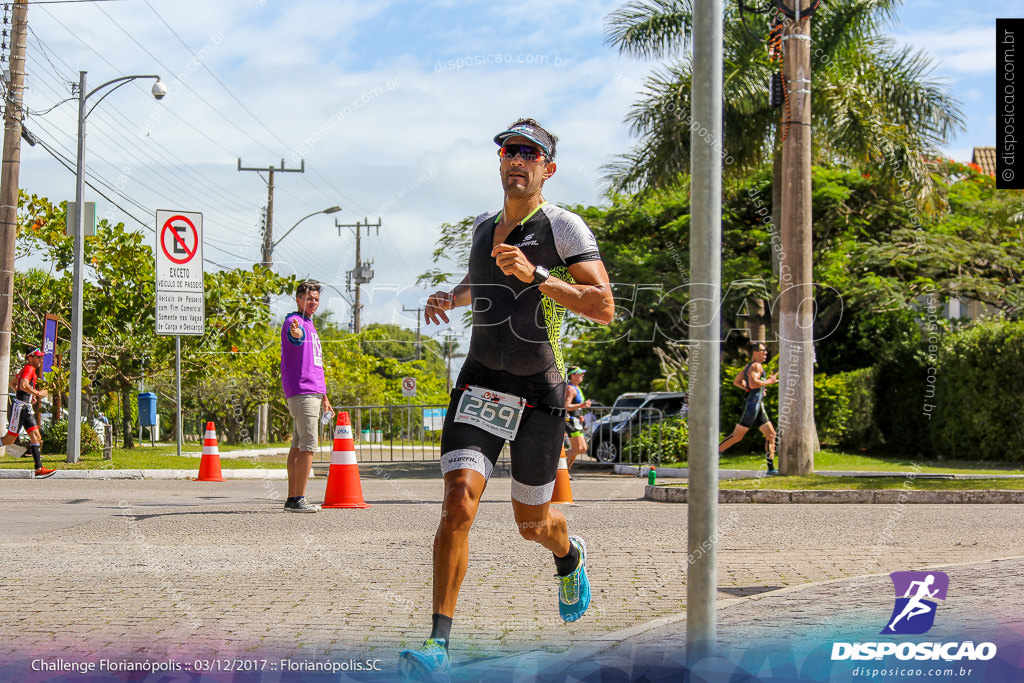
(196, 571)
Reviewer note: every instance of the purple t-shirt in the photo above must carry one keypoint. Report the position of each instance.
(302, 360)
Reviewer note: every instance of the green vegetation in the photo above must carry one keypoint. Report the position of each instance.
(862, 462)
(974, 412)
(226, 373)
(818, 482)
(873, 102)
(144, 458)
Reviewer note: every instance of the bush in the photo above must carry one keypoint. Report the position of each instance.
(831, 407)
(968, 397)
(664, 442)
(860, 431)
(899, 393)
(55, 438)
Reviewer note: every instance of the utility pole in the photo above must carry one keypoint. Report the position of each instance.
(9, 182)
(417, 310)
(363, 272)
(796, 346)
(268, 231)
(262, 421)
(449, 352)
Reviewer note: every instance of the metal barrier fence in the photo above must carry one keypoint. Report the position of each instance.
(392, 433)
(397, 433)
(629, 436)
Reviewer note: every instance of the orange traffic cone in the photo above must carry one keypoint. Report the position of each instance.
(343, 487)
(209, 466)
(563, 490)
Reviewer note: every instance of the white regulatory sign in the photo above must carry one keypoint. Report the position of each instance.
(180, 296)
(408, 386)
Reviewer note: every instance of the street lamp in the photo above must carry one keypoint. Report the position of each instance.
(332, 209)
(75, 390)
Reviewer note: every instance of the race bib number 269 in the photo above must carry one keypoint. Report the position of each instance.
(492, 411)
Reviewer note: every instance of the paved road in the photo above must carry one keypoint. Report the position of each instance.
(178, 570)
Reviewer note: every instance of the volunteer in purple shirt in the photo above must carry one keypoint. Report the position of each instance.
(305, 390)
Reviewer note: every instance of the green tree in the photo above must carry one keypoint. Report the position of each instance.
(874, 105)
(120, 343)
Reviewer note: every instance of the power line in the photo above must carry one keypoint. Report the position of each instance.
(183, 83)
(202, 63)
(66, 163)
(187, 180)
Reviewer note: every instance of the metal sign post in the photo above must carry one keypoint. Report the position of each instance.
(180, 291)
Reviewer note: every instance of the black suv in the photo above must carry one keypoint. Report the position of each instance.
(629, 413)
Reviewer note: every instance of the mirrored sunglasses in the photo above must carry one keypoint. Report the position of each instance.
(527, 152)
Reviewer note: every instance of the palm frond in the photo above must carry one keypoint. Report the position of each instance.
(651, 29)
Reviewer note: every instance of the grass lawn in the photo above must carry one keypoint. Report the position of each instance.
(817, 481)
(160, 457)
(859, 462)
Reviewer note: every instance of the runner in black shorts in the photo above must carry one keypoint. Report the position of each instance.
(754, 414)
(528, 263)
(22, 416)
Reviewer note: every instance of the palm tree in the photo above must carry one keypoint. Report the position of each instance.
(874, 105)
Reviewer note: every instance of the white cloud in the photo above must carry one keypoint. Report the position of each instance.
(966, 49)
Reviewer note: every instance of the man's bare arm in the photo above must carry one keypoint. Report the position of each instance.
(590, 295)
(440, 302)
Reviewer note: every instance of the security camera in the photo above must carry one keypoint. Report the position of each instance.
(159, 90)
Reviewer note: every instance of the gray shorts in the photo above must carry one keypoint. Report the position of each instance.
(305, 412)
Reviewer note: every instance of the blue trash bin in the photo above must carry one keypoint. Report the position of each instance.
(147, 409)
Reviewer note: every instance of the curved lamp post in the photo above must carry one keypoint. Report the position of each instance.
(331, 209)
(75, 390)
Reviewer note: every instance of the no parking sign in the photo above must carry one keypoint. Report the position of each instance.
(180, 296)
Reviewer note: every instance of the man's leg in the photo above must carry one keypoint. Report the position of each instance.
(462, 491)
(305, 411)
(299, 463)
(769, 441)
(14, 427)
(36, 446)
(769, 436)
(542, 524)
(737, 435)
(547, 526)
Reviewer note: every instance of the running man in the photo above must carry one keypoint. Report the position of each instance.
(22, 414)
(915, 605)
(754, 414)
(528, 263)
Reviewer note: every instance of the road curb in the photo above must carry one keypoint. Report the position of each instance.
(678, 494)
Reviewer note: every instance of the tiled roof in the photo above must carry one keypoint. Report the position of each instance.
(986, 158)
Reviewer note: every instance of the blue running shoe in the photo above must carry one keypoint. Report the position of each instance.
(574, 590)
(430, 663)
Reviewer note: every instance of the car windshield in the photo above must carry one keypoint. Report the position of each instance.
(659, 408)
(626, 405)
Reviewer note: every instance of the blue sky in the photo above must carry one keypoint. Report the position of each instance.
(960, 37)
(392, 106)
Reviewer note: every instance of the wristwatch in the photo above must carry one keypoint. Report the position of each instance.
(540, 275)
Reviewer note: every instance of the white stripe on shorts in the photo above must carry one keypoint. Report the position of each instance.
(466, 459)
(532, 495)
